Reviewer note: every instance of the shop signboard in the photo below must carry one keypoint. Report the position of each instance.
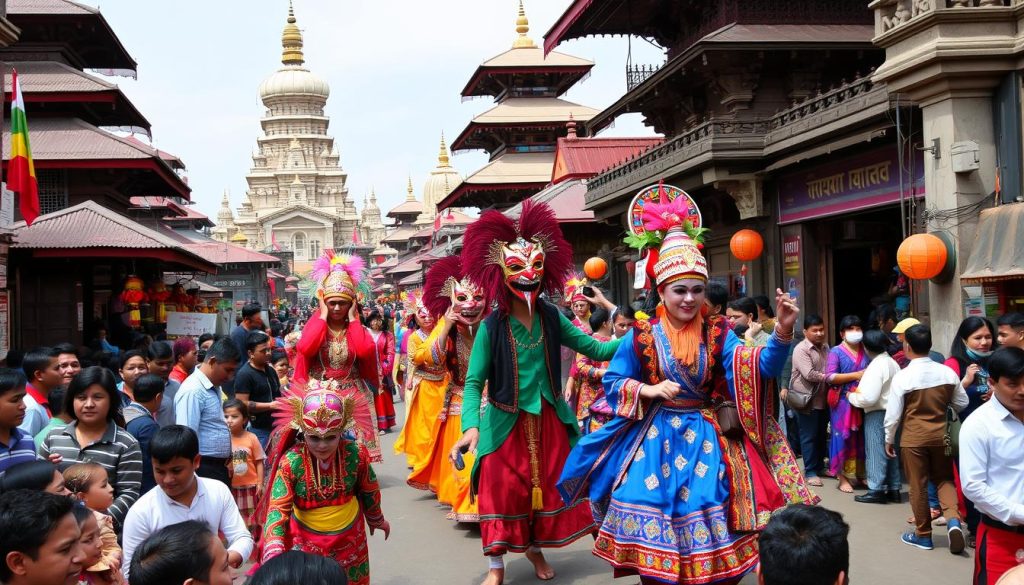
(791, 263)
(849, 184)
(191, 324)
(5, 313)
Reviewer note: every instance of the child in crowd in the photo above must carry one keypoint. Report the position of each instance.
(58, 416)
(181, 495)
(16, 445)
(279, 360)
(89, 484)
(247, 458)
(95, 570)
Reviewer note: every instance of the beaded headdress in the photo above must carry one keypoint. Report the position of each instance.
(316, 409)
(338, 275)
(446, 283)
(677, 242)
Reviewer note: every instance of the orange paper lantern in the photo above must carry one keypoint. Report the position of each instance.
(922, 256)
(746, 245)
(595, 268)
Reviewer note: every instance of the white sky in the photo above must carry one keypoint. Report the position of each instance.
(395, 68)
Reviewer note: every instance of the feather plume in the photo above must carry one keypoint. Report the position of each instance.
(434, 298)
(538, 222)
(662, 216)
(481, 235)
(329, 262)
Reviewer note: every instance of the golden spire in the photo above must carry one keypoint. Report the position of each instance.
(442, 156)
(409, 195)
(523, 27)
(291, 41)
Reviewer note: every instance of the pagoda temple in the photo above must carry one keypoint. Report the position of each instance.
(521, 132)
(297, 198)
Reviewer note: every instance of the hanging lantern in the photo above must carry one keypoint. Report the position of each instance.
(746, 245)
(595, 268)
(380, 258)
(922, 256)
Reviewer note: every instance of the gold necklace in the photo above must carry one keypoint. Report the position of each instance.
(532, 344)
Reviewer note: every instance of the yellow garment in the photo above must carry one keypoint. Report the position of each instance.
(328, 519)
(437, 472)
(424, 405)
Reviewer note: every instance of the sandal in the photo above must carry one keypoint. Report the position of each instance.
(814, 482)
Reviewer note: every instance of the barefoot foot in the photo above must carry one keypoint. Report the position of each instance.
(494, 577)
(541, 568)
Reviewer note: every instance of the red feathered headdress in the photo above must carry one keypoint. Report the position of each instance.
(485, 237)
(435, 285)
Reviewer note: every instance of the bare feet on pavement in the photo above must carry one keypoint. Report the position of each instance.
(543, 570)
(494, 577)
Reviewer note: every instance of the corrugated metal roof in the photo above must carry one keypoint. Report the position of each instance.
(214, 251)
(566, 200)
(588, 157)
(48, 7)
(88, 225)
(51, 76)
(73, 139)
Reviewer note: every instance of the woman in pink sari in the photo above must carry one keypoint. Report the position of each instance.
(846, 364)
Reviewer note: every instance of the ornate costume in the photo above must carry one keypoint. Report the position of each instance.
(447, 287)
(527, 428)
(384, 405)
(426, 385)
(676, 501)
(592, 410)
(314, 507)
(348, 356)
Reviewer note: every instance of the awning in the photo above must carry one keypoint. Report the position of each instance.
(996, 253)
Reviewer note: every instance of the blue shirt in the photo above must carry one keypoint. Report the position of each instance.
(21, 449)
(197, 405)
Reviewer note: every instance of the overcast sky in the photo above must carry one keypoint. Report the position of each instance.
(395, 68)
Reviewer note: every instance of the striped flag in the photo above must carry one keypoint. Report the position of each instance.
(21, 173)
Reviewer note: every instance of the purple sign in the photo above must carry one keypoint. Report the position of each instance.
(853, 183)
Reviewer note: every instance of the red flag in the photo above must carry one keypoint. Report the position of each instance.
(355, 236)
(21, 173)
(450, 215)
(437, 222)
(273, 241)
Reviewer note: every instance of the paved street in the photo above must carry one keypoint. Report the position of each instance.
(427, 549)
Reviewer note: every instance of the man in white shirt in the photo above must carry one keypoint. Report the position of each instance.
(872, 395)
(992, 467)
(183, 495)
(919, 397)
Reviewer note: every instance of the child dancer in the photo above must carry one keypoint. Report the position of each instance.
(102, 555)
(247, 458)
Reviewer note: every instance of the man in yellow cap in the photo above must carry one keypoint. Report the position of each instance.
(898, 331)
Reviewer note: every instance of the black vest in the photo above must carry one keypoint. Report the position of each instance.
(503, 383)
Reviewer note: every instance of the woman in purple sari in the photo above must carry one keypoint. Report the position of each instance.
(846, 364)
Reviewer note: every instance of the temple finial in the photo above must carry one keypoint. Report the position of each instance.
(523, 28)
(291, 41)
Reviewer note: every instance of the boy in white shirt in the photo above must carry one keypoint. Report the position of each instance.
(873, 395)
(181, 496)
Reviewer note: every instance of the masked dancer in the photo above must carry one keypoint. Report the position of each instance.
(527, 429)
(463, 304)
(425, 383)
(678, 501)
(322, 487)
(334, 344)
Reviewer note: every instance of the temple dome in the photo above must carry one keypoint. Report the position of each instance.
(442, 181)
(293, 79)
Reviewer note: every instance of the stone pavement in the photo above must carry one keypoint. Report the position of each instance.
(427, 549)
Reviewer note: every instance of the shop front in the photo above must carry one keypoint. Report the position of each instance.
(841, 223)
(993, 279)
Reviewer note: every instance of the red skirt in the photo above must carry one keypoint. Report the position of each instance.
(508, 522)
(384, 404)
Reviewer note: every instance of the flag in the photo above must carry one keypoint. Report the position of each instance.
(355, 236)
(21, 173)
(437, 222)
(273, 242)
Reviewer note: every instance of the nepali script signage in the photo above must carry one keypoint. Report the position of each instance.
(862, 181)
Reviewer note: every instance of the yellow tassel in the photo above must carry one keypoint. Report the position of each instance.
(538, 499)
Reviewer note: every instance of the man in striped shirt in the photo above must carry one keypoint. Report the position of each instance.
(16, 446)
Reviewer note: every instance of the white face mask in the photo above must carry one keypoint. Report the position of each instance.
(854, 337)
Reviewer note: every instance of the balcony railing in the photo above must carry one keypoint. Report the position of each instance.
(823, 101)
(637, 74)
(892, 14)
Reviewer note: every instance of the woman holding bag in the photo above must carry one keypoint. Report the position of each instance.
(846, 364)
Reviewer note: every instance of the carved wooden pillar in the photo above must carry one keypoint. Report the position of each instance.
(748, 195)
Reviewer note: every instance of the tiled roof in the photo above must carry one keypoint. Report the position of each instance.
(533, 167)
(534, 57)
(406, 208)
(402, 234)
(588, 157)
(51, 76)
(411, 280)
(533, 110)
(218, 252)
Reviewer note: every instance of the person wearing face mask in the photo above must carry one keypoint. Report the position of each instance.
(968, 358)
(846, 364)
(668, 458)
